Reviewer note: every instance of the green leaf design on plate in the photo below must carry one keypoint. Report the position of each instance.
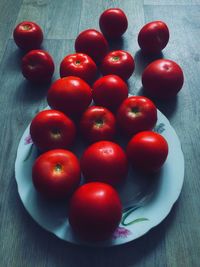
(127, 213)
(29, 152)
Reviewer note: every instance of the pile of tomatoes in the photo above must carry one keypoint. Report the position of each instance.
(95, 208)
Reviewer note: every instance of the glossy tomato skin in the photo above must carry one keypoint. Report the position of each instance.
(118, 62)
(37, 66)
(113, 23)
(51, 129)
(71, 95)
(147, 151)
(92, 43)
(104, 161)
(95, 211)
(109, 91)
(136, 113)
(56, 173)
(28, 35)
(80, 65)
(153, 37)
(162, 79)
(98, 123)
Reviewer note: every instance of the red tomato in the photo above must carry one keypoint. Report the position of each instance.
(80, 65)
(95, 211)
(98, 123)
(52, 129)
(113, 23)
(28, 35)
(56, 173)
(136, 113)
(92, 43)
(104, 161)
(118, 62)
(109, 91)
(147, 151)
(37, 66)
(70, 95)
(162, 79)
(153, 37)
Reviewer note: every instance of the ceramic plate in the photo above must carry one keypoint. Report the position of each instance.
(146, 200)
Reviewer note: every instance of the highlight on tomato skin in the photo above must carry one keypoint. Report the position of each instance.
(147, 151)
(95, 211)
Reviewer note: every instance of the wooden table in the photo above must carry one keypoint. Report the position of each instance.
(176, 241)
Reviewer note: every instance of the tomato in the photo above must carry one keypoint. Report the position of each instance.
(80, 65)
(28, 35)
(37, 66)
(118, 62)
(56, 173)
(98, 123)
(95, 211)
(104, 161)
(136, 113)
(113, 23)
(109, 91)
(147, 151)
(162, 79)
(70, 95)
(153, 37)
(52, 129)
(92, 43)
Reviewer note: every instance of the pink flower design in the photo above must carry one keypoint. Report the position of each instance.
(121, 232)
(28, 140)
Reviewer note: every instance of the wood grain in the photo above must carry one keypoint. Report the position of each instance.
(176, 241)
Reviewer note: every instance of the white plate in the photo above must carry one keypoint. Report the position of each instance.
(146, 200)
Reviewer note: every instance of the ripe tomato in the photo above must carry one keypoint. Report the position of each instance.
(37, 66)
(80, 65)
(28, 35)
(136, 113)
(113, 23)
(70, 95)
(162, 79)
(147, 151)
(153, 37)
(118, 62)
(52, 129)
(92, 43)
(104, 161)
(56, 173)
(95, 211)
(109, 91)
(98, 123)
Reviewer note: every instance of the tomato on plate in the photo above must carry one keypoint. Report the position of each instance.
(98, 123)
(118, 62)
(56, 173)
(37, 66)
(95, 211)
(153, 37)
(52, 129)
(80, 65)
(28, 35)
(104, 161)
(113, 23)
(92, 43)
(147, 151)
(136, 113)
(71, 95)
(162, 79)
(109, 91)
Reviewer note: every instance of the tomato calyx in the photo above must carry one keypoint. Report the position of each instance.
(115, 58)
(134, 111)
(55, 133)
(99, 122)
(26, 27)
(77, 62)
(58, 168)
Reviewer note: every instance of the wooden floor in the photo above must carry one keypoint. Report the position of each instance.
(176, 241)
